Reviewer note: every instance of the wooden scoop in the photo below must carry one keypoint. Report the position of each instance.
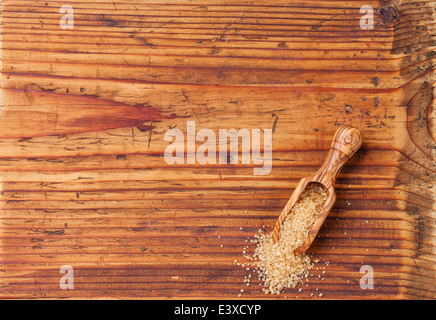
(346, 141)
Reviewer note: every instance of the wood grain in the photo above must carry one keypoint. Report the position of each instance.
(83, 118)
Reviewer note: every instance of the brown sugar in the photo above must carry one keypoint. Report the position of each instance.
(276, 264)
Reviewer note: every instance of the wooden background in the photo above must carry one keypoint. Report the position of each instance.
(83, 118)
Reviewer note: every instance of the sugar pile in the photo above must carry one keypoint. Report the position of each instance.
(275, 263)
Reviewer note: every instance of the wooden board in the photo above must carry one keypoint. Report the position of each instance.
(85, 111)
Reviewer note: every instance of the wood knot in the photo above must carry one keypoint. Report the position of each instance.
(389, 14)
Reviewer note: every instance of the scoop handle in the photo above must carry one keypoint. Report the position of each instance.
(346, 141)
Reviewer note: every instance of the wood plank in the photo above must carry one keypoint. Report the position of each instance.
(84, 113)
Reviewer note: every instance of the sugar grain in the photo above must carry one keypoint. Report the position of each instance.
(276, 264)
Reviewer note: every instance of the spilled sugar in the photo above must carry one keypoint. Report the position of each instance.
(275, 263)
